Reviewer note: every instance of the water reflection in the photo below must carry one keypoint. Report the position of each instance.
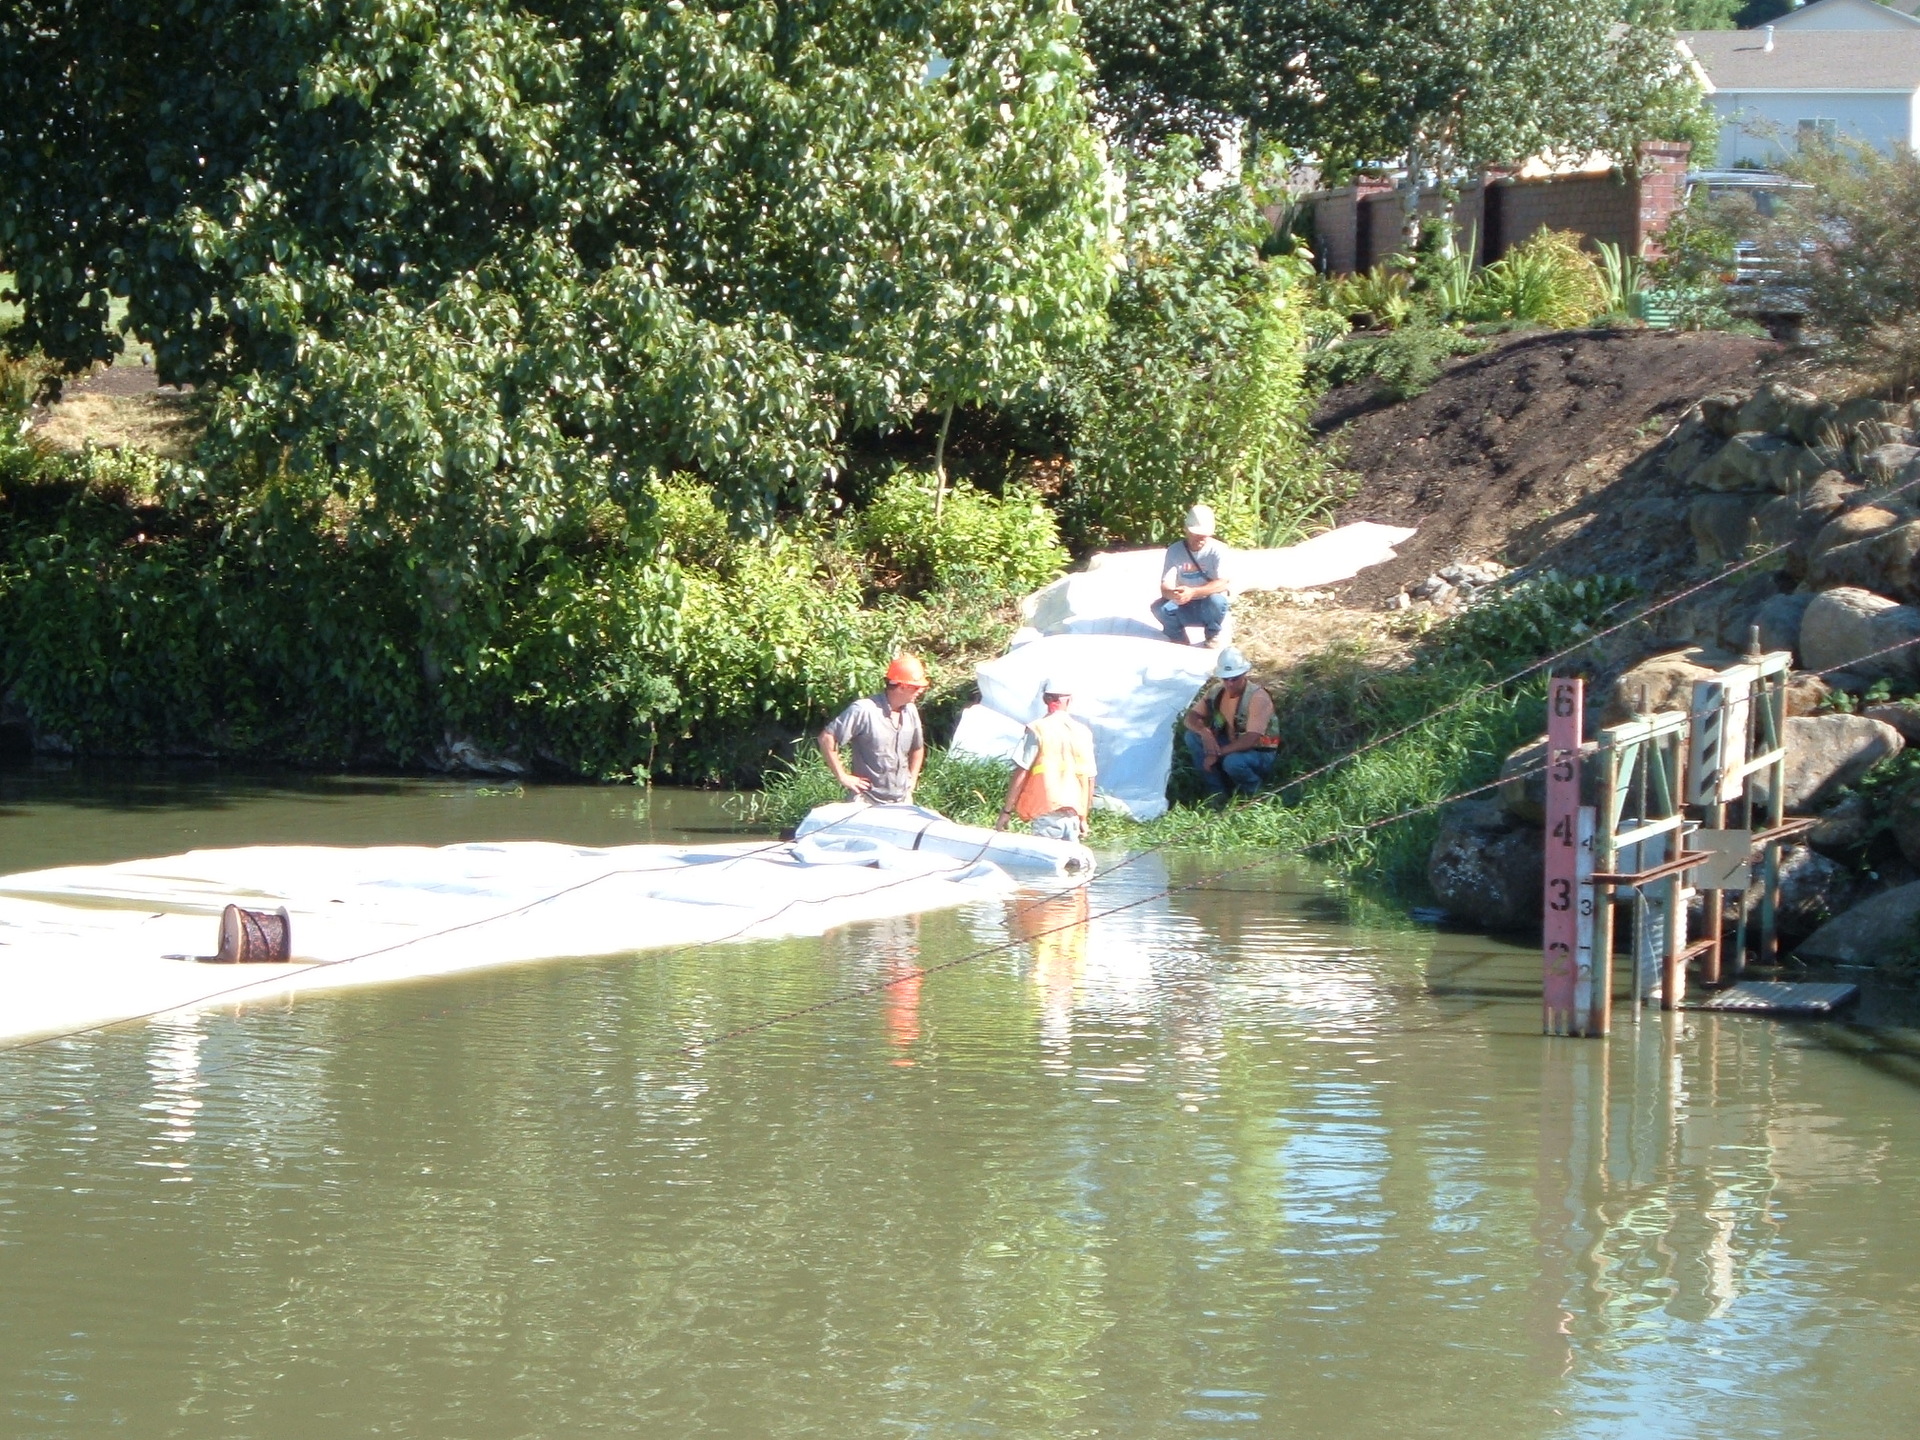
(1149, 1165)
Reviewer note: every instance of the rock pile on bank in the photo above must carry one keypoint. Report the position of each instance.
(1822, 500)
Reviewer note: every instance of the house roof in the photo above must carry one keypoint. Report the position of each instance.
(1855, 15)
(1817, 60)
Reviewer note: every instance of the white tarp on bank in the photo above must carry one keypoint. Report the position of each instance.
(88, 945)
(1097, 627)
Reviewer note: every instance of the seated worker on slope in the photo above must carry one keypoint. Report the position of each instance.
(1052, 784)
(882, 736)
(1233, 732)
(1194, 590)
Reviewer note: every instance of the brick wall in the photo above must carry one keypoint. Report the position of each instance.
(1334, 231)
(1596, 207)
(1355, 229)
(1663, 190)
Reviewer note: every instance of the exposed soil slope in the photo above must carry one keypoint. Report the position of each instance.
(1525, 454)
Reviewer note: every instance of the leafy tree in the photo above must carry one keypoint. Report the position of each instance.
(1688, 14)
(1445, 85)
(464, 270)
(1197, 391)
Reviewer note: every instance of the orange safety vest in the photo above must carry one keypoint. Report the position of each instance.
(1061, 777)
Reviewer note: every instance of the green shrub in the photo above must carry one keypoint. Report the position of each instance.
(1525, 621)
(1622, 276)
(1405, 361)
(1009, 545)
(1548, 279)
(1198, 391)
(1850, 245)
(1382, 295)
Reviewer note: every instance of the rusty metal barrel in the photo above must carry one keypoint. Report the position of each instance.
(254, 937)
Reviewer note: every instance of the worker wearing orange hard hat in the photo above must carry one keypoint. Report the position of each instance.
(875, 747)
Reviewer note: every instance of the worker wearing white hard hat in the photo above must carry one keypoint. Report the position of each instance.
(1233, 730)
(1052, 783)
(1194, 585)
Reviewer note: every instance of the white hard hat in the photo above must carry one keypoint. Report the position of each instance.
(1200, 520)
(1232, 663)
(1057, 685)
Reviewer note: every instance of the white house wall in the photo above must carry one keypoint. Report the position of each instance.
(1759, 128)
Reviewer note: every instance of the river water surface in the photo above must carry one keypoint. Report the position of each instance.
(1193, 1163)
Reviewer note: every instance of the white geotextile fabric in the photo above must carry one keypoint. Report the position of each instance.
(88, 945)
(1116, 593)
(1096, 627)
(1126, 689)
(914, 827)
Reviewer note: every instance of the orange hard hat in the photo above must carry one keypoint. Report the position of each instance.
(906, 670)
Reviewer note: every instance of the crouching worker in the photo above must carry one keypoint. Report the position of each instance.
(1052, 784)
(881, 735)
(1194, 585)
(1233, 732)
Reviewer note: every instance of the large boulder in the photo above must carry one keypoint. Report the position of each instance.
(1813, 889)
(1661, 682)
(1761, 462)
(1887, 562)
(1694, 443)
(1850, 524)
(1883, 930)
(1742, 524)
(1783, 410)
(1903, 715)
(1779, 618)
(1720, 414)
(1827, 753)
(1885, 466)
(1524, 795)
(1850, 415)
(1843, 627)
(1903, 820)
(1721, 620)
(1486, 867)
(1845, 826)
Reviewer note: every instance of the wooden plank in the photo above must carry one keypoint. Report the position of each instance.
(1778, 997)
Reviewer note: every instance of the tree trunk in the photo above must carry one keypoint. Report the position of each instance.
(940, 464)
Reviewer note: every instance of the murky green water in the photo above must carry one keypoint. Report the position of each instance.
(1204, 1166)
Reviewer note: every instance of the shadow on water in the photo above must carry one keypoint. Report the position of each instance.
(62, 814)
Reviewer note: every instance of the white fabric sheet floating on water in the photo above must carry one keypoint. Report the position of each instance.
(1096, 627)
(88, 945)
(913, 827)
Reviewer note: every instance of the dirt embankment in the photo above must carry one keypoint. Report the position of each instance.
(1525, 454)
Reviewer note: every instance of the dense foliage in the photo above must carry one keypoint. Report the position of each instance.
(1198, 390)
(1445, 85)
(1850, 243)
(465, 272)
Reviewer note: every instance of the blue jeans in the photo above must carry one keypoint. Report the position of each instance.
(1243, 772)
(1209, 612)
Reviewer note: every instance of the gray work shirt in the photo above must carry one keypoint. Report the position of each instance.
(875, 745)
